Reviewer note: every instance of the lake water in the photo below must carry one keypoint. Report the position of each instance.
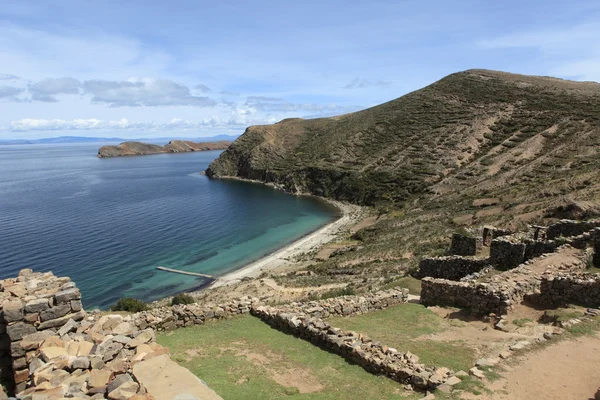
(108, 223)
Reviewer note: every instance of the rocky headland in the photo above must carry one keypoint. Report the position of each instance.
(174, 146)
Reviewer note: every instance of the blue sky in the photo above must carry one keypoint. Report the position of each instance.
(200, 68)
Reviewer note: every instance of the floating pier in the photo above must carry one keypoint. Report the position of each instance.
(185, 272)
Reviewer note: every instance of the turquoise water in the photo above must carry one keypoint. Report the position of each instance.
(108, 223)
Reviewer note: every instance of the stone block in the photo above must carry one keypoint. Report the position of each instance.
(18, 330)
(13, 311)
(36, 306)
(55, 312)
(67, 295)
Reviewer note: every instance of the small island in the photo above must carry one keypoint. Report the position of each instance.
(174, 146)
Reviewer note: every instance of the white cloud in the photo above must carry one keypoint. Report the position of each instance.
(274, 104)
(10, 92)
(202, 88)
(123, 124)
(46, 89)
(8, 77)
(145, 92)
(366, 83)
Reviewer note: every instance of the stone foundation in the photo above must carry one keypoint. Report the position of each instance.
(452, 267)
(299, 319)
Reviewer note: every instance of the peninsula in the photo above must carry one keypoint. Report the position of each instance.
(174, 146)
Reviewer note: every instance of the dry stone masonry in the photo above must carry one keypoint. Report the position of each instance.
(561, 289)
(512, 253)
(52, 349)
(464, 245)
(451, 267)
(304, 320)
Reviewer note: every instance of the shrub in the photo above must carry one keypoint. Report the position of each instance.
(129, 304)
(182, 298)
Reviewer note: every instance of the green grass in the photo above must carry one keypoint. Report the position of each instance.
(412, 284)
(405, 327)
(522, 321)
(243, 358)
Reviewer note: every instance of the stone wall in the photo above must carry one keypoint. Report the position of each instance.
(171, 317)
(463, 245)
(451, 267)
(35, 303)
(562, 289)
(490, 233)
(506, 254)
(480, 297)
(568, 228)
(299, 319)
(344, 306)
(56, 350)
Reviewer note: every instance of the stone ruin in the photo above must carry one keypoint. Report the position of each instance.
(454, 281)
(52, 349)
(305, 320)
(464, 245)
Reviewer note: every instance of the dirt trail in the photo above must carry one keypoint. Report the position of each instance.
(565, 371)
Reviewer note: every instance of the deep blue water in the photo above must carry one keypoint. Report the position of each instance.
(108, 223)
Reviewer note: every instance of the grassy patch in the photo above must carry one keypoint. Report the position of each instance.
(243, 358)
(412, 284)
(521, 322)
(405, 327)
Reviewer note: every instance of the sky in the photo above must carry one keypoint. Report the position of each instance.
(200, 68)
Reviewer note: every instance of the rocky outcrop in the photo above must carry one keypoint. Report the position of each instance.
(174, 146)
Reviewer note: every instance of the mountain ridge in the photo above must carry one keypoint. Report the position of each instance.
(421, 142)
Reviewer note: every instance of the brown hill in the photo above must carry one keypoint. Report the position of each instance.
(474, 148)
(470, 128)
(174, 146)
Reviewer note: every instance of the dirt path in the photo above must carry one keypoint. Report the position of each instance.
(565, 371)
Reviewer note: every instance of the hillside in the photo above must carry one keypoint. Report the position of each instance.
(174, 146)
(477, 147)
(468, 128)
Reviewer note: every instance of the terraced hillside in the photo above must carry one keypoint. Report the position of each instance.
(469, 128)
(474, 148)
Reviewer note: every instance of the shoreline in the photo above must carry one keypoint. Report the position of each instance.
(350, 214)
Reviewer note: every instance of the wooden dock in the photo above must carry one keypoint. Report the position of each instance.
(185, 272)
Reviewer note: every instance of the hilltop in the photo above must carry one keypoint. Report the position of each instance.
(174, 146)
(476, 130)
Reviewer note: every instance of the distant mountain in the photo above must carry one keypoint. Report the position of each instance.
(84, 139)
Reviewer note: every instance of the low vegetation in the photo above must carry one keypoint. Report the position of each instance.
(129, 304)
(182, 298)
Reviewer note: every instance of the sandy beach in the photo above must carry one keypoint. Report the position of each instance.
(351, 214)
